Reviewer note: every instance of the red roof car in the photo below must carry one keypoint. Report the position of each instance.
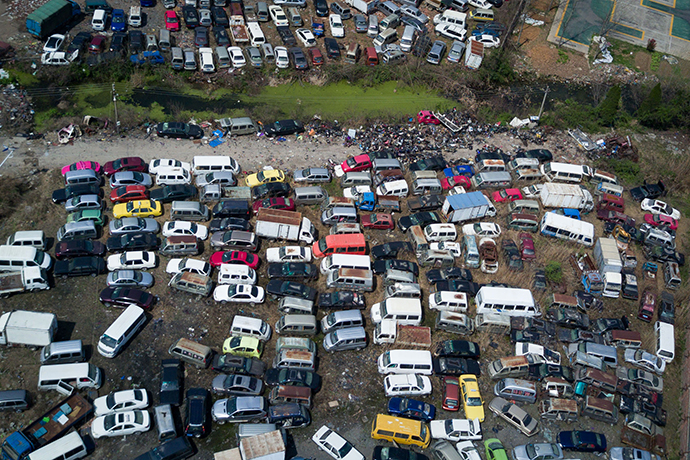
(356, 163)
(379, 221)
(172, 22)
(661, 220)
(615, 216)
(287, 204)
(647, 305)
(129, 193)
(234, 257)
(527, 246)
(453, 181)
(316, 56)
(451, 393)
(124, 164)
(97, 44)
(428, 118)
(79, 165)
(509, 194)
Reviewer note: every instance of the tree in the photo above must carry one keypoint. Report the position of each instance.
(647, 113)
(608, 109)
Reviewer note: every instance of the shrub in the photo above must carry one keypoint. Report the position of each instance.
(608, 109)
(553, 272)
(627, 170)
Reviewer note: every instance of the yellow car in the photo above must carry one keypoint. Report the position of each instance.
(140, 208)
(471, 398)
(264, 177)
(247, 347)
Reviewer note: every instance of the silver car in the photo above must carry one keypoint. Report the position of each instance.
(457, 50)
(538, 451)
(83, 202)
(436, 52)
(130, 178)
(631, 453)
(645, 360)
(133, 278)
(133, 224)
(237, 385)
(361, 23)
(218, 177)
(239, 409)
(514, 415)
(312, 175)
(254, 56)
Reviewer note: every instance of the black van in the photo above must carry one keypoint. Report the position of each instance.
(332, 48)
(289, 415)
(232, 208)
(175, 449)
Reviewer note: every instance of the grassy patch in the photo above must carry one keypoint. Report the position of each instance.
(656, 60)
(563, 57)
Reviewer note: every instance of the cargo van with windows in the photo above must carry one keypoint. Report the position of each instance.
(389, 22)
(510, 301)
(528, 174)
(82, 177)
(297, 325)
(600, 409)
(559, 409)
(17, 258)
(524, 206)
(295, 359)
(607, 354)
(397, 188)
(32, 238)
(418, 239)
(516, 390)
(69, 351)
(180, 245)
(454, 322)
(64, 378)
(426, 186)
(296, 305)
(493, 323)
(623, 339)
(435, 258)
(171, 175)
(208, 164)
(310, 195)
(14, 400)
(449, 301)
(601, 176)
(192, 352)
(408, 38)
(69, 447)
(404, 311)
(256, 35)
(177, 58)
(566, 228)
(388, 8)
(495, 179)
(349, 338)
(393, 276)
(341, 319)
(405, 362)
(345, 227)
(385, 164)
(594, 377)
(340, 244)
(250, 327)
(490, 166)
(440, 232)
(511, 366)
(522, 221)
(664, 335)
(401, 430)
(189, 210)
(354, 178)
(404, 290)
(608, 202)
(339, 214)
(296, 343)
(337, 261)
(352, 279)
(121, 331)
(482, 15)
(608, 188)
(563, 172)
(192, 283)
(84, 230)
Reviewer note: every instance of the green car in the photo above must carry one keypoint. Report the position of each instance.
(495, 449)
(86, 214)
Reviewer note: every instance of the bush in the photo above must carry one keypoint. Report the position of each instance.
(627, 170)
(608, 109)
(553, 272)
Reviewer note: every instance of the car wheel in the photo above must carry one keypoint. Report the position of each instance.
(220, 422)
(93, 275)
(107, 304)
(165, 136)
(64, 277)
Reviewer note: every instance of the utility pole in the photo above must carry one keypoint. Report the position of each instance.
(543, 101)
(117, 122)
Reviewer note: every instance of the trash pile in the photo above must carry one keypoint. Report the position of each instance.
(615, 146)
(16, 110)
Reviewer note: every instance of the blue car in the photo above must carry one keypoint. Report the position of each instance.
(483, 31)
(411, 408)
(117, 23)
(582, 441)
(459, 170)
(147, 57)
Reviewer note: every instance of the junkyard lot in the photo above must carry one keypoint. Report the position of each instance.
(349, 378)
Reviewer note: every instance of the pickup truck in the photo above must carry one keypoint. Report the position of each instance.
(29, 279)
(214, 192)
(651, 443)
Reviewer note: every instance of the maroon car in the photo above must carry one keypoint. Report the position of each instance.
(129, 193)
(123, 297)
(378, 221)
(527, 247)
(615, 216)
(124, 164)
(78, 248)
(287, 204)
(97, 44)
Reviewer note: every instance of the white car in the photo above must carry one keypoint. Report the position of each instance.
(197, 266)
(407, 385)
(356, 191)
(185, 228)
(206, 60)
(451, 31)
(659, 207)
(458, 190)
(120, 401)
(525, 348)
(121, 424)
(480, 4)
(242, 293)
(133, 260)
(335, 445)
(482, 229)
(489, 41)
(156, 165)
(306, 37)
(451, 246)
(53, 43)
(456, 429)
(205, 19)
(236, 56)
(288, 254)
(282, 57)
(278, 16)
(532, 191)
(645, 360)
(467, 450)
(58, 58)
(225, 178)
(336, 24)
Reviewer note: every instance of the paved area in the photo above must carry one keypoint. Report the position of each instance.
(633, 21)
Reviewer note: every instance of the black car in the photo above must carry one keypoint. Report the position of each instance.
(568, 317)
(221, 36)
(196, 413)
(170, 193)
(284, 127)
(512, 255)
(457, 349)
(396, 453)
(425, 203)
(332, 48)
(298, 58)
(646, 190)
(342, 300)
(64, 194)
(123, 297)
(644, 407)
(171, 449)
(201, 37)
(539, 282)
(79, 42)
(117, 44)
(602, 325)
(458, 285)
(177, 129)
(271, 190)
(525, 336)
(588, 301)
(80, 266)
(456, 366)
(78, 248)
(133, 242)
(286, 36)
(539, 154)
(667, 308)
(228, 223)
(453, 273)
(190, 16)
(574, 335)
(663, 254)
(390, 250)
(382, 266)
(293, 377)
(136, 41)
(436, 163)
(280, 288)
(491, 155)
(321, 7)
(533, 324)
(582, 441)
(541, 371)
(232, 364)
(232, 208)
(292, 270)
(421, 218)
(220, 17)
(171, 382)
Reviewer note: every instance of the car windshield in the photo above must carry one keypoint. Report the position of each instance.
(474, 402)
(110, 421)
(344, 450)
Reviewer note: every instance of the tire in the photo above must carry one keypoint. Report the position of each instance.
(93, 275)
(108, 304)
(165, 136)
(64, 277)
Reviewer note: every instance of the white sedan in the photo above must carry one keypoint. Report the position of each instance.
(53, 43)
(467, 451)
(278, 16)
(356, 191)
(58, 58)
(159, 163)
(480, 4)
(282, 57)
(236, 56)
(659, 207)
(121, 424)
(482, 229)
(306, 37)
(451, 31)
(133, 260)
(288, 254)
(336, 23)
(489, 41)
(185, 228)
(456, 429)
(197, 266)
(242, 293)
(451, 246)
(335, 445)
(120, 401)
(645, 360)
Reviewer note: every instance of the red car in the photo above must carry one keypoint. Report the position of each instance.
(647, 306)
(124, 164)
(234, 257)
(129, 193)
(527, 247)
(451, 394)
(287, 204)
(427, 118)
(378, 221)
(615, 216)
(97, 44)
(453, 181)
(316, 56)
(172, 22)
(79, 165)
(356, 163)
(509, 194)
(661, 220)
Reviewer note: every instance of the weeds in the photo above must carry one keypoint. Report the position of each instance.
(554, 272)
(563, 57)
(656, 60)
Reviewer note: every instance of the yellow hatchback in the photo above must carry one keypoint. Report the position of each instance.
(247, 347)
(265, 177)
(140, 208)
(471, 398)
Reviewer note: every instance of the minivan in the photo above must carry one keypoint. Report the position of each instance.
(194, 353)
(339, 214)
(523, 221)
(608, 354)
(33, 238)
(165, 422)
(449, 301)
(83, 230)
(435, 258)
(289, 415)
(69, 351)
(426, 186)
(289, 394)
(408, 38)
(262, 12)
(405, 362)
(177, 58)
(192, 283)
(62, 377)
(400, 430)
(297, 325)
(170, 175)
(524, 206)
(189, 210)
(295, 359)
(440, 232)
(388, 8)
(404, 290)
(121, 331)
(563, 410)
(393, 276)
(456, 323)
(404, 311)
(82, 177)
(164, 39)
(373, 29)
(310, 195)
(14, 400)
(600, 409)
(511, 366)
(296, 343)
(482, 14)
(664, 336)
(386, 36)
(250, 327)
(354, 178)
(180, 245)
(343, 11)
(341, 319)
(296, 305)
(397, 188)
(385, 164)
(348, 278)
(349, 338)
(517, 390)
(100, 17)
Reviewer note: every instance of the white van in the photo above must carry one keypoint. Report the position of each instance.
(134, 19)
(349, 278)
(99, 19)
(578, 231)
(426, 186)
(121, 331)
(250, 327)
(17, 258)
(170, 175)
(452, 17)
(440, 232)
(208, 164)
(236, 274)
(563, 172)
(206, 60)
(510, 301)
(665, 338)
(397, 188)
(33, 238)
(404, 311)
(69, 447)
(62, 377)
(449, 301)
(337, 261)
(405, 362)
(256, 35)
